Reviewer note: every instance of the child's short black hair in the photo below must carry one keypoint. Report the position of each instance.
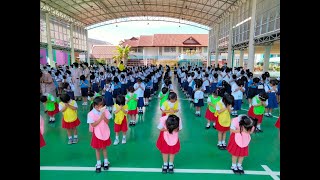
(65, 98)
(247, 123)
(120, 100)
(228, 99)
(131, 89)
(97, 101)
(82, 77)
(263, 96)
(164, 90)
(172, 96)
(172, 123)
(92, 76)
(43, 98)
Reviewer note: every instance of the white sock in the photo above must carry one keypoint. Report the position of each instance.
(75, 136)
(99, 162)
(70, 137)
(258, 126)
(208, 124)
(219, 142)
(117, 137)
(223, 142)
(170, 163)
(234, 165)
(123, 136)
(106, 161)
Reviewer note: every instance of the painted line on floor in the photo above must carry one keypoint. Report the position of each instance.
(157, 170)
(273, 174)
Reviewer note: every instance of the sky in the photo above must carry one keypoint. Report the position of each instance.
(126, 30)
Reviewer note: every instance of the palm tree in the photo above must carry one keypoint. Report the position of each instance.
(122, 54)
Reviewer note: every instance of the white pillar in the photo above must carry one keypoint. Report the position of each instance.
(71, 43)
(241, 58)
(50, 53)
(251, 53)
(209, 49)
(217, 45)
(229, 61)
(88, 48)
(266, 58)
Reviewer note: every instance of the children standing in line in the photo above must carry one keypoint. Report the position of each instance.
(171, 106)
(238, 146)
(223, 110)
(168, 141)
(99, 118)
(70, 119)
(132, 101)
(139, 88)
(211, 109)
(51, 106)
(259, 102)
(120, 109)
(42, 142)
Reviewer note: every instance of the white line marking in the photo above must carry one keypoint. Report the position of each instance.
(157, 170)
(271, 173)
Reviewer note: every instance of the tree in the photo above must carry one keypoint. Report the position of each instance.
(122, 54)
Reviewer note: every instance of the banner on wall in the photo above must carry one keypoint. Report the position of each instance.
(61, 57)
(82, 57)
(43, 56)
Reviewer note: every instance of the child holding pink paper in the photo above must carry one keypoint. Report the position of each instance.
(240, 129)
(99, 118)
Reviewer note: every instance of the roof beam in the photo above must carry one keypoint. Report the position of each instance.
(106, 8)
(231, 9)
(54, 12)
(169, 14)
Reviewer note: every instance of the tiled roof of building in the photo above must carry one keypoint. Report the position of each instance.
(156, 40)
(103, 51)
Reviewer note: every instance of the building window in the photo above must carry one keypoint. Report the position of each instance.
(169, 49)
(140, 49)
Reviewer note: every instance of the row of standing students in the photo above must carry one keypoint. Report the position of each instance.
(169, 125)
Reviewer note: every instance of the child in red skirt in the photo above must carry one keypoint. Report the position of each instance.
(211, 109)
(42, 142)
(132, 102)
(98, 118)
(278, 125)
(51, 106)
(259, 104)
(238, 146)
(223, 109)
(70, 119)
(168, 141)
(120, 110)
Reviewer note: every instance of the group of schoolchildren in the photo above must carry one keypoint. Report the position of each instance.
(225, 90)
(132, 89)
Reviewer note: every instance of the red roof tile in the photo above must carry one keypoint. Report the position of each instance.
(146, 41)
(167, 40)
(103, 51)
